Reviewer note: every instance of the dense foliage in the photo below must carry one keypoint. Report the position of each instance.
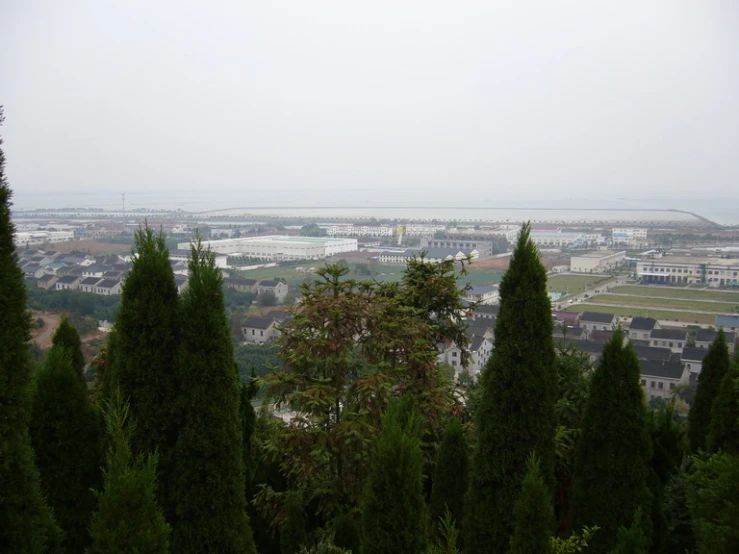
(26, 522)
(77, 302)
(516, 413)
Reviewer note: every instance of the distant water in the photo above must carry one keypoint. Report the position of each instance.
(332, 204)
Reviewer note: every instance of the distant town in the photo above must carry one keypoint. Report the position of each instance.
(670, 285)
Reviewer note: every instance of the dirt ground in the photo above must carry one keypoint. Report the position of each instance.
(491, 263)
(42, 337)
(92, 247)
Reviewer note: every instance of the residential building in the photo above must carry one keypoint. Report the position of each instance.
(593, 321)
(240, 285)
(181, 282)
(281, 248)
(728, 322)
(674, 339)
(482, 294)
(692, 359)
(68, 282)
(108, 287)
(599, 261)
(33, 270)
(259, 330)
(705, 337)
(88, 284)
(422, 230)
(94, 271)
(661, 379)
(486, 312)
(278, 288)
(715, 272)
(629, 237)
(641, 328)
(571, 319)
(46, 281)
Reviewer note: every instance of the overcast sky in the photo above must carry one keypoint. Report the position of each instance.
(480, 101)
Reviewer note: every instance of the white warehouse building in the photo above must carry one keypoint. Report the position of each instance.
(597, 262)
(280, 248)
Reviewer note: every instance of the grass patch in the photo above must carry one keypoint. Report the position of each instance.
(685, 317)
(575, 284)
(677, 292)
(677, 303)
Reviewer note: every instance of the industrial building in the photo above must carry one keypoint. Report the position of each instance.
(280, 248)
(629, 237)
(597, 262)
(716, 272)
(42, 237)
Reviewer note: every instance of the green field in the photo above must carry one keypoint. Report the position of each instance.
(686, 317)
(676, 292)
(677, 303)
(380, 272)
(574, 284)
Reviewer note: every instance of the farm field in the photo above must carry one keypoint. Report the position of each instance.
(675, 303)
(675, 292)
(574, 284)
(686, 317)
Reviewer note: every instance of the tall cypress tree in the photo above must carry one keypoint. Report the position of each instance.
(394, 516)
(143, 357)
(209, 469)
(26, 522)
(127, 518)
(715, 366)
(724, 430)
(66, 436)
(451, 474)
(632, 540)
(533, 514)
(66, 336)
(515, 416)
(612, 466)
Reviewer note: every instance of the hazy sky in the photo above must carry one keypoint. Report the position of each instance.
(481, 101)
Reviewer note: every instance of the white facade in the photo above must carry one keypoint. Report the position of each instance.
(359, 230)
(421, 230)
(42, 237)
(629, 236)
(687, 269)
(555, 238)
(280, 248)
(596, 262)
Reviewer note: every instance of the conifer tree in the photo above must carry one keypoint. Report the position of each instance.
(143, 356)
(66, 436)
(715, 366)
(127, 519)
(724, 430)
(516, 414)
(66, 336)
(293, 532)
(394, 515)
(632, 540)
(26, 522)
(533, 514)
(612, 466)
(451, 474)
(208, 478)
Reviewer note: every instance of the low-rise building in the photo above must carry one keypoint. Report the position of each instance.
(482, 294)
(661, 379)
(641, 328)
(241, 285)
(692, 359)
(715, 272)
(727, 322)
(593, 321)
(46, 281)
(68, 282)
(631, 237)
(258, 330)
(280, 248)
(108, 287)
(88, 284)
(278, 288)
(599, 261)
(704, 339)
(674, 339)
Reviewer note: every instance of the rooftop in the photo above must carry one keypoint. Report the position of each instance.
(669, 334)
(600, 254)
(597, 317)
(725, 262)
(643, 323)
(665, 370)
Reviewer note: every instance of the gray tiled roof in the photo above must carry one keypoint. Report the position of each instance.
(655, 368)
(596, 317)
(669, 334)
(643, 323)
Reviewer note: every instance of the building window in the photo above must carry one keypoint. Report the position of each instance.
(651, 384)
(660, 385)
(261, 333)
(454, 363)
(643, 382)
(253, 332)
(672, 386)
(454, 354)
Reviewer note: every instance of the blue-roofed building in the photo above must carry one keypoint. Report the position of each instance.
(728, 322)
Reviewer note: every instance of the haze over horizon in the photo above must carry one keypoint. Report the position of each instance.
(625, 104)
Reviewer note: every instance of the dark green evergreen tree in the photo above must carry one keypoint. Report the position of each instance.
(713, 498)
(128, 519)
(451, 474)
(394, 514)
(515, 415)
(724, 430)
(680, 535)
(208, 476)
(293, 532)
(715, 366)
(612, 466)
(26, 522)
(67, 439)
(533, 523)
(143, 356)
(248, 421)
(346, 532)
(66, 336)
(632, 540)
